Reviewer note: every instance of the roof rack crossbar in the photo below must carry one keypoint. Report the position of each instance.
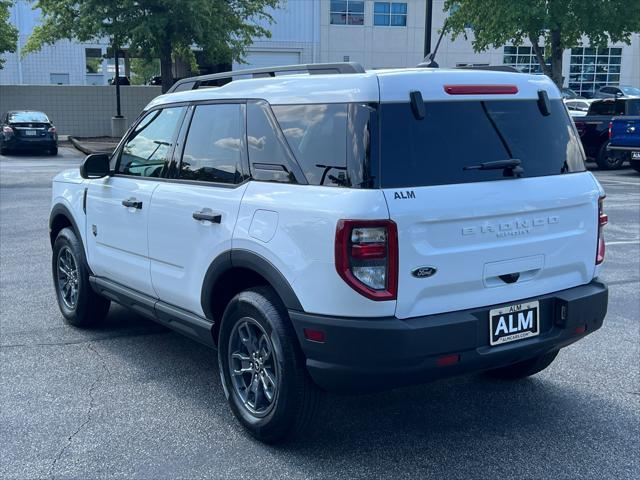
(193, 83)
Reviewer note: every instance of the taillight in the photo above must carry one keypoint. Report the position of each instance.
(52, 129)
(610, 128)
(367, 257)
(603, 219)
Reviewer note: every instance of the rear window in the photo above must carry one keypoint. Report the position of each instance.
(28, 117)
(458, 134)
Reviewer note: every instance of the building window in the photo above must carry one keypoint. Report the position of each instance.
(592, 68)
(59, 78)
(93, 60)
(524, 59)
(392, 14)
(347, 12)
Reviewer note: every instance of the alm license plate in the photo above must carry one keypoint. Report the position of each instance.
(30, 133)
(515, 322)
(635, 155)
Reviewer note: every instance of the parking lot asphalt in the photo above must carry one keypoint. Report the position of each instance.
(134, 400)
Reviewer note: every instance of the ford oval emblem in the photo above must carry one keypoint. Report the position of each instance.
(424, 272)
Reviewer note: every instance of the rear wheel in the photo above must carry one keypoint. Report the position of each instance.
(262, 368)
(610, 159)
(4, 151)
(636, 166)
(79, 304)
(525, 368)
(54, 151)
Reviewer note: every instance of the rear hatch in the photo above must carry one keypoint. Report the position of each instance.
(471, 237)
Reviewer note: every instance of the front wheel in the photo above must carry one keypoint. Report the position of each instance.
(79, 304)
(262, 368)
(525, 368)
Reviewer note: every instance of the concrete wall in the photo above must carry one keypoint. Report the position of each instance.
(82, 111)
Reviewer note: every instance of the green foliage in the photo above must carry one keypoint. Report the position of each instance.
(156, 28)
(8, 33)
(143, 69)
(560, 23)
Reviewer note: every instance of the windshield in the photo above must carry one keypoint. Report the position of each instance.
(630, 90)
(458, 134)
(28, 117)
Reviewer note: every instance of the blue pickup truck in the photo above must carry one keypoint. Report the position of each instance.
(624, 136)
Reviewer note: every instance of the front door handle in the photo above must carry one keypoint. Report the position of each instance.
(207, 215)
(132, 203)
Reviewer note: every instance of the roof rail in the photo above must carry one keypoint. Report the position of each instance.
(194, 83)
(497, 68)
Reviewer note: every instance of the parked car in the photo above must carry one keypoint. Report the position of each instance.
(342, 231)
(617, 91)
(594, 130)
(27, 130)
(124, 81)
(567, 93)
(577, 107)
(624, 134)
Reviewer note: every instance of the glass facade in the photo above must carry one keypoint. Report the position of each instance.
(592, 68)
(524, 59)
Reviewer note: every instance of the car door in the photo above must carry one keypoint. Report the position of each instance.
(118, 205)
(192, 217)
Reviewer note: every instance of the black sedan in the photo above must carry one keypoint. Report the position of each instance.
(27, 130)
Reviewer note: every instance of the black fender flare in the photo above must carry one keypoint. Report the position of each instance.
(240, 258)
(60, 209)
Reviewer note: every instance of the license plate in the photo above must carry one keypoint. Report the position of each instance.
(635, 155)
(30, 133)
(515, 322)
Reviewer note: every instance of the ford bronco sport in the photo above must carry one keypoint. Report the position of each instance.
(328, 228)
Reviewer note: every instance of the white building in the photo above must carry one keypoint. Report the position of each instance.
(377, 34)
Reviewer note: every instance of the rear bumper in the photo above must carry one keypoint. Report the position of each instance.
(364, 355)
(16, 143)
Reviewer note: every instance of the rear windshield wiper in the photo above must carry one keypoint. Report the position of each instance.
(511, 167)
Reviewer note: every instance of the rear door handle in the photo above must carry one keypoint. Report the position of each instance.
(132, 203)
(207, 215)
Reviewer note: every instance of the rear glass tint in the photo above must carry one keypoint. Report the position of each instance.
(28, 117)
(454, 135)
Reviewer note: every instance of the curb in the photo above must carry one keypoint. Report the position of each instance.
(79, 146)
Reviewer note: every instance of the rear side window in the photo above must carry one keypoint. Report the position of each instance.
(269, 156)
(459, 134)
(608, 108)
(317, 135)
(214, 146)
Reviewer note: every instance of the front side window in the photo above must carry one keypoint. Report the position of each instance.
(347, 12)
(147, 150)
(392, 14)
(214, 146)
(317, 135)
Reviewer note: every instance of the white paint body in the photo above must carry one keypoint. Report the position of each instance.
(545, 228)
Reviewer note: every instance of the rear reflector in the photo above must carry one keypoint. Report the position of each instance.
(314, 335)
(481, 89)
(448, 360)
(581, 329)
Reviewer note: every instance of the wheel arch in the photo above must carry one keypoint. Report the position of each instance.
(234, 271)
(59, 218)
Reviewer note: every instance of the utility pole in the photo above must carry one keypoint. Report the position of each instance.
(427, 27)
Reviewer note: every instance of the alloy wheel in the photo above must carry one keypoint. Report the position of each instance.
(253, 367)
(68, 278)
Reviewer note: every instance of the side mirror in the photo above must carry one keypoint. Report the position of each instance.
(95, 165)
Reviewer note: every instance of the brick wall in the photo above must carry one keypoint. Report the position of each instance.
(81, 111)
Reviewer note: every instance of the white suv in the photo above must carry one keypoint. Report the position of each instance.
(342, 230)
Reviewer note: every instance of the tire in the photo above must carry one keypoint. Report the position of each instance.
(54, 151)
(258, 316)
(4, 151)
(525, 368)
(635, 165)
(609, 160)
(85, 308)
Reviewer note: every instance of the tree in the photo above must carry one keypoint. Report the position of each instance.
(157, 28)
(8, 33)
(559, 24)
